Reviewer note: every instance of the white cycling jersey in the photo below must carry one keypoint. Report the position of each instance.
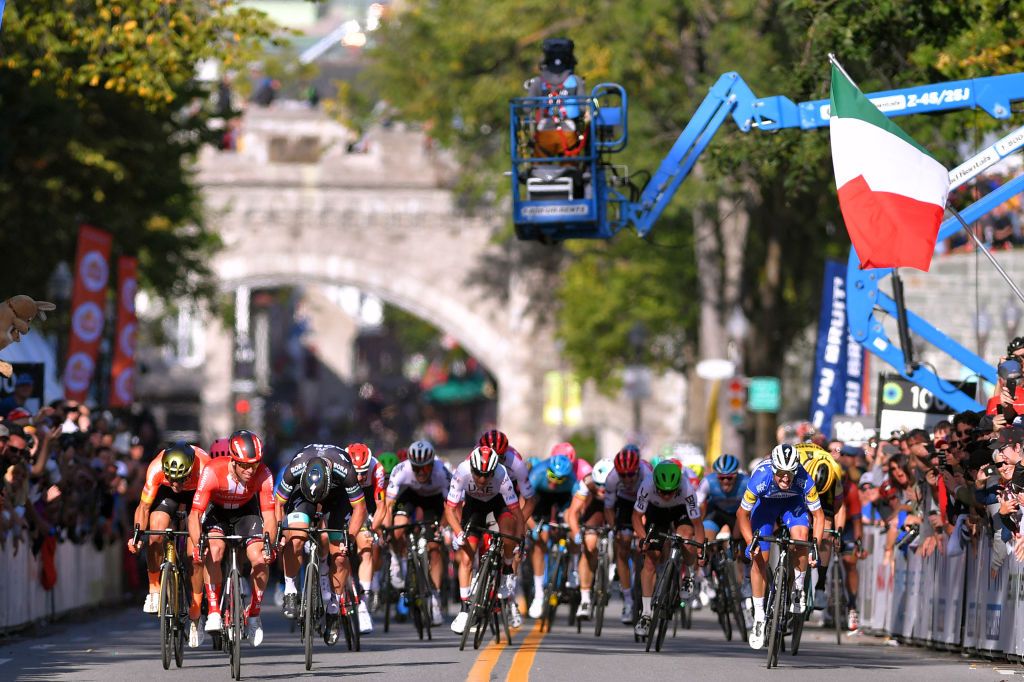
(519, 473)
(683, 495)
(403, 478)
(619, 488)
(463, 485)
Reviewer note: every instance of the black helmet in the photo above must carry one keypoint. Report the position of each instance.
(316, 480)
(558, 54)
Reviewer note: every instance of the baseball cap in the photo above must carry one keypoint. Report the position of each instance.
(24, 379)
(135, 441)
(1011, 435)
(18, 413)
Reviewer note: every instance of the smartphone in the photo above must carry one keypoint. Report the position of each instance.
(989, 469)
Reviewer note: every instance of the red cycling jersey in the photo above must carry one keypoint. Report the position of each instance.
(155, 475)
(218, 485)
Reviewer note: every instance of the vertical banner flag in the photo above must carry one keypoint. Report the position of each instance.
(92, 270)
(839, 359)
(2, 3)
(892, 192)
(122, 374)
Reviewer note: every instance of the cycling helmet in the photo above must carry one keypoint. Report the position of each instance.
(421, 453)
(822, 474)
(559, 468)
(809, 450)
(667, 476)
(495, 440)
(785, 458)
(697, 470)
(402, 454)
(599, 475)
(316, 480)
(532, 462)
(388, 461)
(726, 464)
(360, 457)
(565, 449)
(221, 448)
(246, 447)
(628, 460)
(483, 460)
(177, 461)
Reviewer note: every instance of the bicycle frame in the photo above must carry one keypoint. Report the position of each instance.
(666, 589)
(173, 586)
(777, 594)
(485, 608)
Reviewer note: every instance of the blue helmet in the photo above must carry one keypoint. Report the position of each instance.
(559, 467)
(531, 462)
(726, 464)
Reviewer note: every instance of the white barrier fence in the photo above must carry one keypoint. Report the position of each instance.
(943, 601)
(85, 578)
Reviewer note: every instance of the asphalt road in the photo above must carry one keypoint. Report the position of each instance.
(122, 645)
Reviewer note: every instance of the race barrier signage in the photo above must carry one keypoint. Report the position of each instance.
(92, 271)
(122, 373)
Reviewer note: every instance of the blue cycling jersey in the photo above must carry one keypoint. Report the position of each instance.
(543, 484)
(719, 500)
(762, 486)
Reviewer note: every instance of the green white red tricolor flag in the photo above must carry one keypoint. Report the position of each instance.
(892, 192)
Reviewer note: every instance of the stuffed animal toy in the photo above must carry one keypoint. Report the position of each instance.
(16, 313)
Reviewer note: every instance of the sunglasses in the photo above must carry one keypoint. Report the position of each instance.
(247, 466)
(726, 477)
(489, 474)
(784, 475)
(24, 452)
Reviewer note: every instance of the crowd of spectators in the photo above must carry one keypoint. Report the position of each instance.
(69, 473)
(1000, 229)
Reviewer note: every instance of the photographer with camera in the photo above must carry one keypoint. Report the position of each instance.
(1007, 402)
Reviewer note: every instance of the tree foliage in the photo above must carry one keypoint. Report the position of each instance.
(102, 116)
(453, 64)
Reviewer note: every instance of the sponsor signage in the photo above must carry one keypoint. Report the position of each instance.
(92, 271)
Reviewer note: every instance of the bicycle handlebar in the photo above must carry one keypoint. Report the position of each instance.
(674, 539)
(494, 533)
(784, 541)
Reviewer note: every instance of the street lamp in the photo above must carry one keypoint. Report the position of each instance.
(58, 291)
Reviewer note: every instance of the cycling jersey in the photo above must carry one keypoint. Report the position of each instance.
(155, 475)
(762, 487)
(619, 488)
(581, 468)
(219, 487)
(682, 496)
(374, 485)
(343, 476)
(721, 506)
(542, 484)
(403, 478)
(519, 472)
(464, 485)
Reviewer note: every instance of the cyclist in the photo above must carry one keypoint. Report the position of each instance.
(722, 491)
(373, 481)
(481, 487)
(619, 497)
(388, 461)
(171, 481)
(778, 488)
(665, 503)
(235, 495)
(554, 480)
(220, 448)
(319, 475)
(588, 506)
(420, 482)
(580, 467)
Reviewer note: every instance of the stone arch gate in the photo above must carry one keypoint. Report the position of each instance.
(294, 206)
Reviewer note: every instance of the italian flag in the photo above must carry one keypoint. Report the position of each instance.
(891, 191)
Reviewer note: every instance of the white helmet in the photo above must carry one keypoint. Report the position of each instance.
(421, 453)
(785, 458)
(599, 475)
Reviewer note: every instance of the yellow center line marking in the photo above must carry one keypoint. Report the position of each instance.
(523, 660)
(485, 662)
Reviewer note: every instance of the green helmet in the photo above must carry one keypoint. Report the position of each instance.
(388, 461)
(667, 476)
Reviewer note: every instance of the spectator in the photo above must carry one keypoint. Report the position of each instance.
(23, 386)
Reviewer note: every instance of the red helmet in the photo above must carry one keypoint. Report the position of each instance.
(564, 449)
(628, 460)
(246, 447)
(495, 440)
(483, 460)
(402, 454)
(360, 456)
(221, 448)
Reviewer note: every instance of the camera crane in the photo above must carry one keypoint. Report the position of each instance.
(582, 195)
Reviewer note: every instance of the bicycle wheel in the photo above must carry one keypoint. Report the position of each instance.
(600, 593)
(838, 597)
(736, 601)
(236, 626)
(353, 615)
(506, 618)
(181, 621)
(673, 599)
(797, 620)
(386, 587)
(485, 609)
(774, 624)
(425, 594)
(722, 601)
(310, 587)
(166, 611)
(475, 600)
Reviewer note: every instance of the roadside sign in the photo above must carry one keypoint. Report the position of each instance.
(902, 405)
(764, 394)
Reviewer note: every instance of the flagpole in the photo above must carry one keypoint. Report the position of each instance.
(902, 328)
(991, 258)
(835, 63)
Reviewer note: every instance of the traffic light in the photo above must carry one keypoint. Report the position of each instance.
(736, 400)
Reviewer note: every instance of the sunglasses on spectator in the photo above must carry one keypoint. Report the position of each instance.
(24, 452)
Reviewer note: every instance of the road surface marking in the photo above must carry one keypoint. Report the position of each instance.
(485, 662)
(523, 660)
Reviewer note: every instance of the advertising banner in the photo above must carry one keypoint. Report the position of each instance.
(92, 271)
(122, 373)
(839, 360)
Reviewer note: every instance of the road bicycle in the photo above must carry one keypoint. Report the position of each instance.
(665, 601)
(837, 583)
(174, 590)
(233, 613)
(727, 602)
(777, 600)
(602, 579)
(419, 589)
(485, 608)
(556, 588)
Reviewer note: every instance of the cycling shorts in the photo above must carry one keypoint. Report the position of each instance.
(624, 513)
(791, 511)
(666, 519)
(337, 509)
(593, 513)
(717, 519)
(244, 520)
(550, 505)
(409, 501)
(483, 513)
(169, 502)
(849, 542)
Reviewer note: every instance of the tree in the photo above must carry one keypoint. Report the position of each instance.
(102, 117)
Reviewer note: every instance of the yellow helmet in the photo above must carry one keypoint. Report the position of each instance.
(809, 450)
(822, 473)
(177, 461)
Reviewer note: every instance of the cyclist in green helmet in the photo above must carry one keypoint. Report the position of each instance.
(665, 503)
(388, 461)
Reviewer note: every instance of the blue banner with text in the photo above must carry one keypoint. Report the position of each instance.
(839, 360)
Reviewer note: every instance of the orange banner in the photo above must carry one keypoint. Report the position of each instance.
(92, 271)
(122, 373)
